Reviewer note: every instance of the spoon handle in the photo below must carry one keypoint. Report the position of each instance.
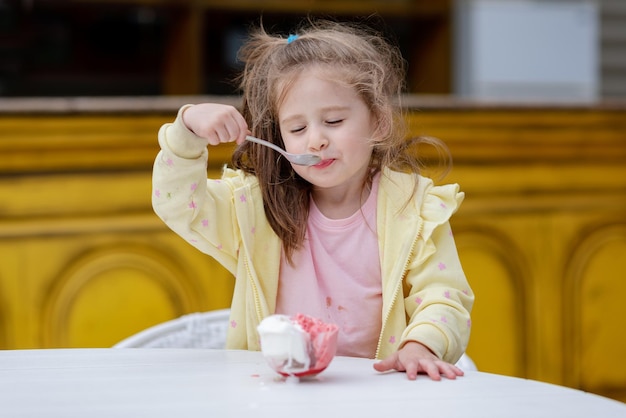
(266, 143)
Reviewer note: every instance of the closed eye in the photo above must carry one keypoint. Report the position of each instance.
(334, 121)
(296, 130)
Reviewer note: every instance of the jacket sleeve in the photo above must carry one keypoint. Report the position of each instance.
(198, 209)
(438, 298)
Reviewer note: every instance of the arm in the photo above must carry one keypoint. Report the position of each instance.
(438, 304)
(438, 298)
(182, 197)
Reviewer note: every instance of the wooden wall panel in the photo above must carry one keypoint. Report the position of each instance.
(85, 261)
(99, 291)
(93, 289)
(495, 270)
(595, 286)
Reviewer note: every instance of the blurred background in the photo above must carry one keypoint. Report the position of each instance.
(529, 95)
(562, 49)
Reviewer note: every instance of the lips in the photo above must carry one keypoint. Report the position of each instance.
(324, 163)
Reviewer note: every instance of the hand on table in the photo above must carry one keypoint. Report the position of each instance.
(415, 358)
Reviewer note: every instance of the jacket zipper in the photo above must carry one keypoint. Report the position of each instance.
(398, 288)
(255, 290)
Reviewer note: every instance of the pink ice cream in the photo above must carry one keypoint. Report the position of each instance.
(299, 345)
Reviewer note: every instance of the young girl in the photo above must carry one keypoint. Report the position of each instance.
(359, 239)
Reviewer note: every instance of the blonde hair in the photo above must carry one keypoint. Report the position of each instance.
(352, 55)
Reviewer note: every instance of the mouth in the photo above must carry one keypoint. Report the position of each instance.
(324, 163)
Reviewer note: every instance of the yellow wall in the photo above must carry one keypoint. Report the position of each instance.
(542, 237)
(85, 262)
(542, 234)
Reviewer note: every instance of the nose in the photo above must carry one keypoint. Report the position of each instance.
(317, 140)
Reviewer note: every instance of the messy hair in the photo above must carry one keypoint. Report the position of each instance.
(352, 55)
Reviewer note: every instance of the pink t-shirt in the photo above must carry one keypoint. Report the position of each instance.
(336, 277)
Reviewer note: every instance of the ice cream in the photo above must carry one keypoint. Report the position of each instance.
(299, 345)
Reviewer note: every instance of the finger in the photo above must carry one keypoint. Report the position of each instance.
(240, 127)
(430, 368)
(222, 134)
(412, 369)
(236, 132)
(213, 139)
(451, 371)
(385, 364)
(448, 373)
(233, 133)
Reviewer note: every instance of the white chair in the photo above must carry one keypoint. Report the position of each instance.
(466, 364)
(196, 330)
(204, 330)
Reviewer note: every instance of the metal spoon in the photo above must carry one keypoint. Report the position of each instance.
(299, 159)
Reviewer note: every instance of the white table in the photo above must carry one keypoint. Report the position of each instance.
(183, 383)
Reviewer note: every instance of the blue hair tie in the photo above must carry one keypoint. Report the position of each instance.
(291, 38)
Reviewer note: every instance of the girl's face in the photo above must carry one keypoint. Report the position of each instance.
(328, 119)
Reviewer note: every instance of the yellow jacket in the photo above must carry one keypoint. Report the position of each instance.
(426, 297)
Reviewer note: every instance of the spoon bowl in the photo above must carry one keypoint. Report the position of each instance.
(299, 159)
